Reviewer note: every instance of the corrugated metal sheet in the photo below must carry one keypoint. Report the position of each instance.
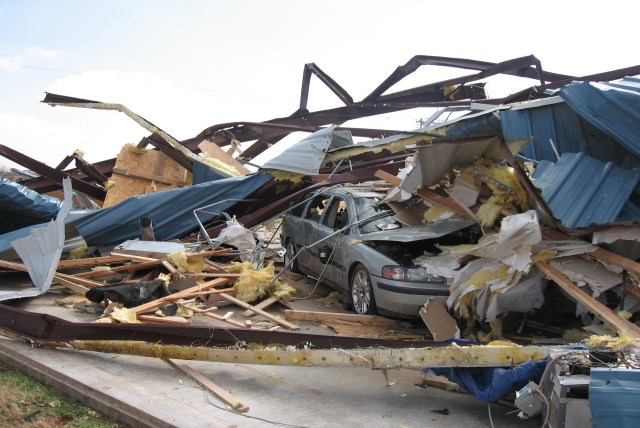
(171, 210)
(613, 107)
(306, 156)
(553, 119)
(581, 190)
(21, 206)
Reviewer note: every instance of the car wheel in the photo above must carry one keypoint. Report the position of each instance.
(361, 289)
(289, 254)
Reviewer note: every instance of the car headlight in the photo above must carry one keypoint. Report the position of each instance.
(401, 273)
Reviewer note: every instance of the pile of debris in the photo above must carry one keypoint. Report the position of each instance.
(548, 175)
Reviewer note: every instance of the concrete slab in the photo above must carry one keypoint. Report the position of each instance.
(148, 392)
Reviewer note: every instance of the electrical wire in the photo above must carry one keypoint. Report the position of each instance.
(490, 418)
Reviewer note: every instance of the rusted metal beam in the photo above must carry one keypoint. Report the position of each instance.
(312, 68)
(90, 170)
(538, 91)
(44, 185)
(38, 326)
(159, 143)
(518, 67)
(51, 174)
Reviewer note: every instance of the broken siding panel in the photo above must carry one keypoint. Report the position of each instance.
(581, 190)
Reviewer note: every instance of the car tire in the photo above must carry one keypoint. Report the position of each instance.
(362, 300)
(289, 254)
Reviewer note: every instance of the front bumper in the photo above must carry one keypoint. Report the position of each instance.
(406, 298)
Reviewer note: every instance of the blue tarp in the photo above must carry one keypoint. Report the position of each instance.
(21, 206)
(171, 210)
(490, 384)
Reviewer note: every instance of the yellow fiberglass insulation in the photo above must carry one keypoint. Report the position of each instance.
(186, 263)
(79, 253)
(279, 175)
(253, 285)
(611, 341)
(434, 213)
(221, 166)
(496, 178)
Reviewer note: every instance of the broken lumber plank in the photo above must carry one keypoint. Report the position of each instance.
(262, 305)
(127, 268)
(267, 315)
(76, 288)
(224, 318)
(213, 275)
(133, 258)
(214, 388)
(158, 303)
(334, 316)
(607, 315)
(618, 260)
(93, 261)
(428, 195)
(163, 320)
(77, 285)
(150, 177)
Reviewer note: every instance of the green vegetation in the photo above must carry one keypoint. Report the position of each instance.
(28, 403)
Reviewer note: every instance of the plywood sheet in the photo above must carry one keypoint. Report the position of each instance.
(142, 172)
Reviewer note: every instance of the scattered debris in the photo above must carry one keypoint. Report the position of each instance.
(521, 212)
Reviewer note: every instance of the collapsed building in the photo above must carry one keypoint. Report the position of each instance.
(548, 176)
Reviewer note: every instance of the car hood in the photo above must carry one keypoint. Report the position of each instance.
(417, 233)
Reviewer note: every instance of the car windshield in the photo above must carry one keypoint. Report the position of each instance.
(374, 216)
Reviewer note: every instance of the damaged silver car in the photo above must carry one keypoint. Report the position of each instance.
(352, 241)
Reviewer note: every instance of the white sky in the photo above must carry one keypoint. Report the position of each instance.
(186, 65)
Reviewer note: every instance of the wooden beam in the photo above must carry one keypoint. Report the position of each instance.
(92, 261)
(216, 390)
(127, 268)
(262, 305)
(224, 318)
(158, 303)
(267, 315)
(333, 316)
(132, 257)
(607, 315)
(429, 195)
(150, 177)
(613, 258)
(73, 283)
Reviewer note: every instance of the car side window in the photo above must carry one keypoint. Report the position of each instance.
(336, 216)
(316, 208)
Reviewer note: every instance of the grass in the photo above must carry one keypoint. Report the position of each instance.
(26, 402)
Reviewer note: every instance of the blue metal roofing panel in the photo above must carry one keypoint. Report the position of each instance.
(21, 206)
(581, 190)
(613, 107)
(171, 210)
(556, 122)
(613, 397)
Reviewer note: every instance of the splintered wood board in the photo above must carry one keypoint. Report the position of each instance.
(148, 163)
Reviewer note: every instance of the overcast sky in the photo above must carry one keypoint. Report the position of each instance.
(186, 65)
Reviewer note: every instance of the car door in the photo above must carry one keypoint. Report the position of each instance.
(307, 233)
(330, 263)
